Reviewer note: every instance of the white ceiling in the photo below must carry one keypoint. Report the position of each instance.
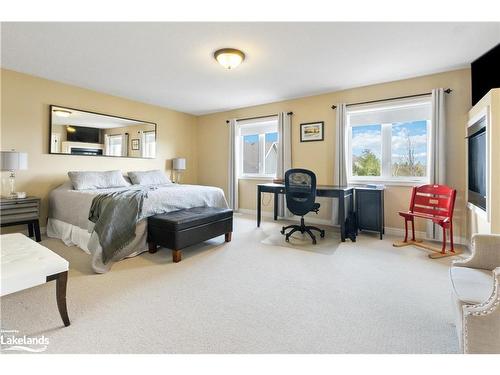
(92, 120)
(171, 64)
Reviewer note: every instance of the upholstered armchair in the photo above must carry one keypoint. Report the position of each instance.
(476, 296)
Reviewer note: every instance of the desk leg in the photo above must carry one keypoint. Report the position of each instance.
(276, 197)
(342, 215)
(258, 206)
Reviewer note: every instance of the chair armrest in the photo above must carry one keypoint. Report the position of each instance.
(481, 323)
(485, 253)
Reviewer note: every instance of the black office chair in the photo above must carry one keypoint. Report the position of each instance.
(300, 191)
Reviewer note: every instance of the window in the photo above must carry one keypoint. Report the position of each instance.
(115, 145)
(389, 142)
(258, 148)
(149, 141)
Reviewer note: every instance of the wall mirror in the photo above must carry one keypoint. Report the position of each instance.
(76, 132)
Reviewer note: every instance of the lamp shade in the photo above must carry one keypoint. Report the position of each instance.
(14, 161)
(179, 164)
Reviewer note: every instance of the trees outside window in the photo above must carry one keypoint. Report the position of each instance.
(382, 148)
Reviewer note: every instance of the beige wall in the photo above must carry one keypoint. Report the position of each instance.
(213, 139)
(25, 104)
(204, 140)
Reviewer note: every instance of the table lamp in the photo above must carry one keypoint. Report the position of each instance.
(178, 165)
(14, 161)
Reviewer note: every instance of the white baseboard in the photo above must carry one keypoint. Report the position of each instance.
(398, 232)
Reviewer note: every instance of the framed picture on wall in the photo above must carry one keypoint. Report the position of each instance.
(312, 131)
(135, 144)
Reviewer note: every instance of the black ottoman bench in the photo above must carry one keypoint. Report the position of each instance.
(179, 229)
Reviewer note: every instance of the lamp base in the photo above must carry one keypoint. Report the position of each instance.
(177, 177)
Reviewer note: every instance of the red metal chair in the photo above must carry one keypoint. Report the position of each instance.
(435, 203)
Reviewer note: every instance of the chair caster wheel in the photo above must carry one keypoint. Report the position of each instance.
(314, 241)
(287, 239)
(322, 234)
(282, 231)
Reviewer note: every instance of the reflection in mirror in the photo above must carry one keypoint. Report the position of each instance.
(78, 132)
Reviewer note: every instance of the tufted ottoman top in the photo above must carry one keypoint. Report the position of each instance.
(25, 263)
(190, 217)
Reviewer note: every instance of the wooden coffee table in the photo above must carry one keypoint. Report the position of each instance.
(26, 264)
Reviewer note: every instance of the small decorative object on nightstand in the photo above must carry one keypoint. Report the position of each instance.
(18, 211)
(178, 165)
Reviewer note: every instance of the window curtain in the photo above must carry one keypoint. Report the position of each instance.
(143, 144)
(340, 166)
(284, 156)
(125, 144)
(232, 188)
(438, 144)
(106, 144)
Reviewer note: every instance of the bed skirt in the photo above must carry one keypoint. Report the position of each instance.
(73, 235)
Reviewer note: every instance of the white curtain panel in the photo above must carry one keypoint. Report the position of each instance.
(232, 175)
(340, 166)
(106, 144)
(284, 156)
(438, 154)
(125, 144)
(143, 143)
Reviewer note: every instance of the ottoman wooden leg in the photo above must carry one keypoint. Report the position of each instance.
(228, 236)
(152, 247)
(176, 256)
(61, 283)
(36, 227)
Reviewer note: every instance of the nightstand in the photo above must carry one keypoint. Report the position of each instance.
(21, 211)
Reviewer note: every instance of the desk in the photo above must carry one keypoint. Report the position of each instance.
(345, 195)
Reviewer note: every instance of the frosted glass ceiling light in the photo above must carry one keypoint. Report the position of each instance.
(62, 113)
(229, 58)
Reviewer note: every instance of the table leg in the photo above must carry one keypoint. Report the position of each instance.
(30, 229)
(342, 215)
(276, 197)
(36, 226)
(61, 283)
(258, 206)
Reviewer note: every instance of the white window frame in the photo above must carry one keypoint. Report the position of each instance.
(262, 148)
(386, 159)
(116, 136)
(147, 146)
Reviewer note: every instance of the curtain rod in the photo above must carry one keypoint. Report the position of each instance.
(258, 117)
(448, 91)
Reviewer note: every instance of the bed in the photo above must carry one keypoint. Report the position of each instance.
(69, 212)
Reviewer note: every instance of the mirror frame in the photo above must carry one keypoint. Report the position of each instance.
(51, 106)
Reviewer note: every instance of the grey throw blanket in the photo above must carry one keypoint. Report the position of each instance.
(115, 216)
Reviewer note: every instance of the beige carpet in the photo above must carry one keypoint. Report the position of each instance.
(249, 296)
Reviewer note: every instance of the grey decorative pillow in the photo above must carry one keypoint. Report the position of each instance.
(154, 177)
(97, 180)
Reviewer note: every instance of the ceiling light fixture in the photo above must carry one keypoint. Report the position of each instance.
(62, 113)
(229, 58)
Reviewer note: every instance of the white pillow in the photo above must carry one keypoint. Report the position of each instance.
(154, 177)
(97, 180)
